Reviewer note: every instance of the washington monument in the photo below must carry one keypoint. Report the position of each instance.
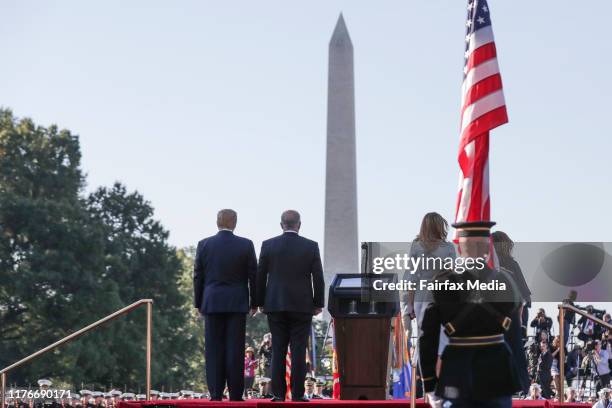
(341, 239)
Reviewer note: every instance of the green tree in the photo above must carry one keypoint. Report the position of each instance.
(323, 346)
(139, 260)
(51, 253)
(67, 260)
(194, 325)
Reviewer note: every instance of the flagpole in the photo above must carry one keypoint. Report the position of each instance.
(413, 377)
(413, 373)
(413, 389)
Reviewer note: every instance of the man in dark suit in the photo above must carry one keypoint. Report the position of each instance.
(224, 290)
(290, 289)
(544, 366)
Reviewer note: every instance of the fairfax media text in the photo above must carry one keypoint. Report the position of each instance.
(425, 284)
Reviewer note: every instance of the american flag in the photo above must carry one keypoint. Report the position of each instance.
(483, 108)
(335, 367)
(288, 374)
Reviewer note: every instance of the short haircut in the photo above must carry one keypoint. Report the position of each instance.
(290, 219)
(227, 218)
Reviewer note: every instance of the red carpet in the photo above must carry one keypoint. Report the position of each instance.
(201, 403)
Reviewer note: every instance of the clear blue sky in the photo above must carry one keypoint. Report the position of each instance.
(201, 105)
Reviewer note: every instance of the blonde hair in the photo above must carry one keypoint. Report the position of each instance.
(434, 229)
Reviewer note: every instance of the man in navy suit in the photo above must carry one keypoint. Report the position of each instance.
(290, 289)
(224, 290)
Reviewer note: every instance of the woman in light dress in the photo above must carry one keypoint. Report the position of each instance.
(429, 243)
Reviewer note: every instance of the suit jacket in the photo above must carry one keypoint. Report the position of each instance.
(290, 275)
(224, 274)
(544, 365)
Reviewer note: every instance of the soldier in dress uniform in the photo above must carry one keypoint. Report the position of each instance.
(76, 401)
(319, 386)
(128, 396)
(65, 402)
(478, 368)
(115, 397)
(86, 399)
(10, 401)
(71, 400)
(23, 403)
(186, 394)
(264, 388)
(45, 401)
(98, 397)
(309, 387)
(108, 399)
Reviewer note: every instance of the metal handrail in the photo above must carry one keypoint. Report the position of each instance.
(78, 333)
(562, 308)
(413, 375)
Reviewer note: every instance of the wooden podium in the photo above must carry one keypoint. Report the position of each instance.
(362, 324)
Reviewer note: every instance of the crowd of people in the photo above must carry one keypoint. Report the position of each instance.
(587, 344)
(588, 355)
(45, 396)
(587, 371)
(257, 373)
(603, 399)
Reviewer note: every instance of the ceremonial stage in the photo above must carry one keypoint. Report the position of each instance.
(262, 403)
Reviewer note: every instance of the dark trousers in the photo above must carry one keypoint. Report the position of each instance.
(603, 381)
(515, 341)
(248, 382)
(224, 352)
(544, 380)
(289, 329)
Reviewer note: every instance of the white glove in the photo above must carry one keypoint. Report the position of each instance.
(433, 400)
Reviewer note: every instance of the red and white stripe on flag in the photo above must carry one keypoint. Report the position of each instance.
(483, 108)
(288, 374)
